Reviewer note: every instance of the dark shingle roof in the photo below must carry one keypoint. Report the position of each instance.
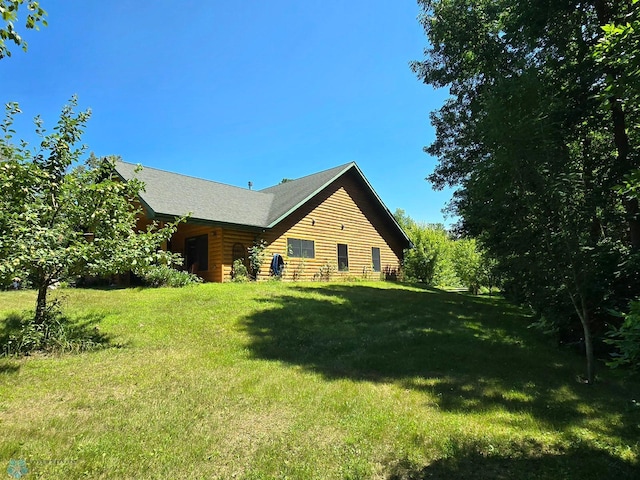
(169, 194)
(173, 195)
(290, 195)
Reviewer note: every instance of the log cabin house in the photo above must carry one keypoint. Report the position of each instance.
(331, 222)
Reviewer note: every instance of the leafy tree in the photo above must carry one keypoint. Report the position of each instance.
(627, 340)
(9, 9)
(617, 54)
(60, 217)
(535, 135)
(468, 264)
(429, 259)
(438, 259)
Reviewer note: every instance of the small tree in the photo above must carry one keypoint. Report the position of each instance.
(239, 272)
(60, 217)
(257, 257)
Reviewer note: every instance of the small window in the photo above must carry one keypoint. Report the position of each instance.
(197, 253)
(300, 248)
(343, 257)
(375, 258)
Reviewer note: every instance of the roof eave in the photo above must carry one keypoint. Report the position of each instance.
(310, 196)
(382, 204)
(334, 178)
(211, 223)
(150, 212)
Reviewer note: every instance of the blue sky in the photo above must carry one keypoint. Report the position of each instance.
(240, 91)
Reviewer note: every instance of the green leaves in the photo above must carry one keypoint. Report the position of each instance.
(62, 217)
(626, 339)
(9, 10)
(438, 259)
(538, 137)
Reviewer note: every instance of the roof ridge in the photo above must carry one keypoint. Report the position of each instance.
(200, 179)
(339, 167)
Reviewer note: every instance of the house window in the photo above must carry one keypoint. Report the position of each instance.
(375, 258)
(343, 258)
(300, 248)
(197, 253)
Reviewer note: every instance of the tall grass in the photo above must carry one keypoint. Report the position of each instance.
(279, 380)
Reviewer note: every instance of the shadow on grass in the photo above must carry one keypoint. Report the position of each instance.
(467, 353)
(532, 462)
(18, 336)
(7, 367)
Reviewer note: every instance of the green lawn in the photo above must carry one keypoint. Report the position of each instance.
(310, 380)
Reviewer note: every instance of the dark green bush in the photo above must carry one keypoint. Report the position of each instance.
(626, 340)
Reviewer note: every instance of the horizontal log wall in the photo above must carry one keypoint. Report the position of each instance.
(214, 271)
(231, 238)
(343, 213)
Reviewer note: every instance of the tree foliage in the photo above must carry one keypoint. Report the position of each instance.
(436, 258)
(61, 217)
(536, 136)
(626, 339)
(10, 10)
(468, 264)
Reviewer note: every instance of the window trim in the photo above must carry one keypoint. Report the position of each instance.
(344, 265)
(375, 250)
(302, 248)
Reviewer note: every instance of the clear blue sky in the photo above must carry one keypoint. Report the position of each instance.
(237, 91)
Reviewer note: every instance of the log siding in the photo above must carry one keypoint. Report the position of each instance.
(344, 210)
(341, 214)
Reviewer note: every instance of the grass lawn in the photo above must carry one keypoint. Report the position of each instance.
(311, 380)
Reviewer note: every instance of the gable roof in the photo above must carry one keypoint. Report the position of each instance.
(290, 195)
(168, 195)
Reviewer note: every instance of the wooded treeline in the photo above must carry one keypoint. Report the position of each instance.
(540, 137)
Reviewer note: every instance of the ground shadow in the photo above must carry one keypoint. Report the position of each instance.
(71, 335)
(467, 352)
(533, 462)
(8, 367)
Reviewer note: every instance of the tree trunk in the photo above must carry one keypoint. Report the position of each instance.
(41, 304)
(583, 312)
(585, 319)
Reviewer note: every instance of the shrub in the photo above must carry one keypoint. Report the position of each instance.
(325, 272)
(257, 256)
(298, 271)
(164, 276)
(57, 334)
(626, 340)
(239, 272)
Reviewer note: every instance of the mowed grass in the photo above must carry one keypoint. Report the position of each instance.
(311, 381)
